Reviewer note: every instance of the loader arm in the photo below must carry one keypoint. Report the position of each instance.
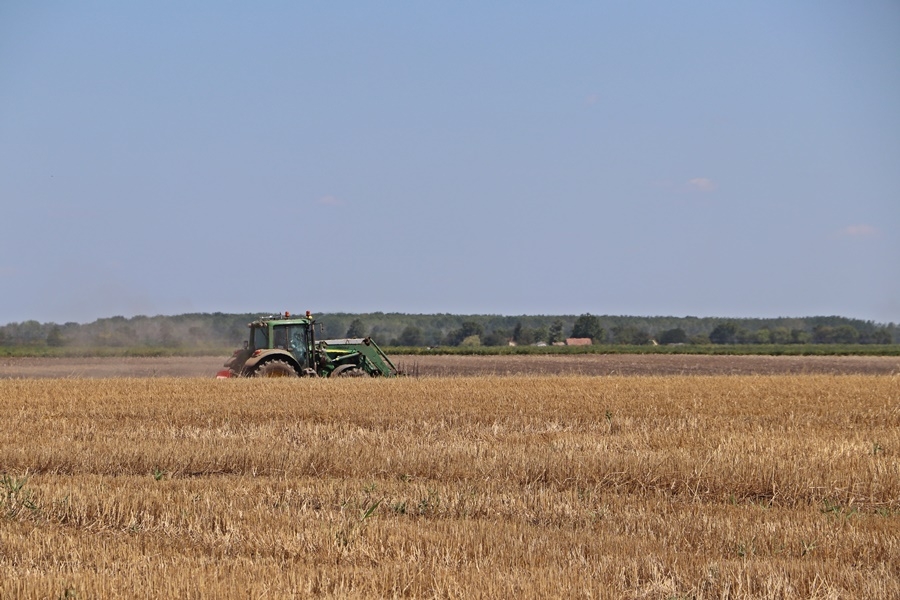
(374, 360)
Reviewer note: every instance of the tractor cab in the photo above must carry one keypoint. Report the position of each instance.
(278, 346)
(294, 336)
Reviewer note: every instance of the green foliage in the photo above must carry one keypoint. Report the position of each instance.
(55, 338)
(555, 333)
(16, 497)
(411, 336)
(356, 330)
(631, 335)
(468, 331)
(798, 336)
(725, 333)
(879, 336)
(780, 335)
(497, 337)
(839, 510)
(219, 334)
(706, 349)
(673, 336)
(471, 341)
(841, 334)
(523, 336)
(588, 326)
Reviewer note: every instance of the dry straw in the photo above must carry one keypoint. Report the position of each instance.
(651, 487)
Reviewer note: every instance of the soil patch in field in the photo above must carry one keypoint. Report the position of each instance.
(470, 366)
(646, 364)
(191, 366)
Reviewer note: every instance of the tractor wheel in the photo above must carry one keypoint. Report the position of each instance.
(275, 368)
(348, 371)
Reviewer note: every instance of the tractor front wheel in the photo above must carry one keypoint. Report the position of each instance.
(348, 371)
(275, 368)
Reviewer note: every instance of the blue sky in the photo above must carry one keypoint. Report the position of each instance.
(630, 158)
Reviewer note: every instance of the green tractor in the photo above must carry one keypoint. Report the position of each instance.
(285, 346)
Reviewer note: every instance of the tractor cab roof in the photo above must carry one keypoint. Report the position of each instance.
(285, 318)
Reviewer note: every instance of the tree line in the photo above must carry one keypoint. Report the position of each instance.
(217, 330)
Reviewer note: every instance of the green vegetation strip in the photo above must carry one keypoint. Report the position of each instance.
(708, 349)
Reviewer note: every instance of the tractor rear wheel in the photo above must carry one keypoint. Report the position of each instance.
(275, 368)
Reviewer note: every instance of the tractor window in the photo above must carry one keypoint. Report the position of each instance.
(260, 339)
(299, 343)
(280, 334)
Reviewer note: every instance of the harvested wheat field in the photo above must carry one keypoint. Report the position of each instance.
(781, 486)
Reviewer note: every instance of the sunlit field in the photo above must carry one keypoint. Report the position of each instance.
(598, 487)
